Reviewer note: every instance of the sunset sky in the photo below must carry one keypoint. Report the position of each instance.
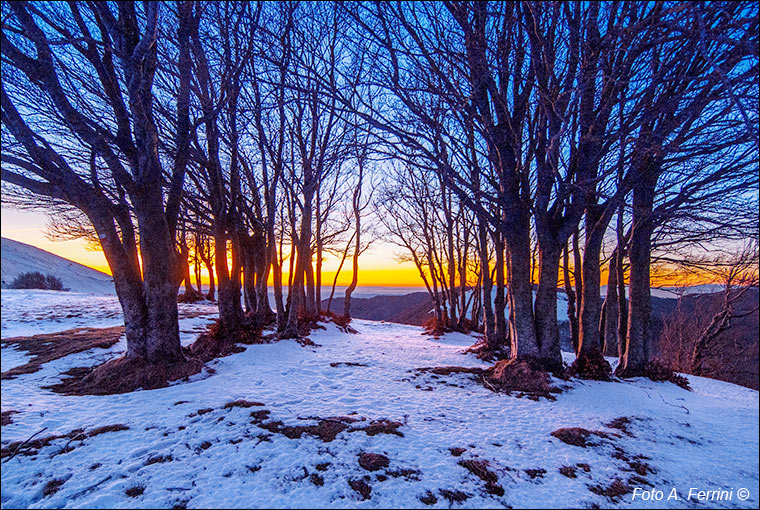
(377, 267)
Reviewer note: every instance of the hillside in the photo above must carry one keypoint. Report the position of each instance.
(18, 258)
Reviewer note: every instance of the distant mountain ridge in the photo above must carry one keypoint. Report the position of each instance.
(18, 258)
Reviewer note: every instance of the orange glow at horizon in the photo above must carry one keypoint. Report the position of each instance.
(377, 268)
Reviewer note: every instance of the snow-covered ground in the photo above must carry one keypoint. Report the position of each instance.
(705, 439)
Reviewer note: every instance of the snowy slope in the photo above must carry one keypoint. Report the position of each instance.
(221, 458)
(20, 258)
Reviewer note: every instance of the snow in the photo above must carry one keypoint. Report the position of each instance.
(707, 438)
(18, 258)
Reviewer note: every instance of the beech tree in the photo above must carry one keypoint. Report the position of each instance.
(78, 119)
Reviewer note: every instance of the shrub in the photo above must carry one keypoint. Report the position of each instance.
(37, 280)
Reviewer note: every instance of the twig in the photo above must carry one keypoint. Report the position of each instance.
(90, 488)
(18, 448)
(65, 449)
(674, 405)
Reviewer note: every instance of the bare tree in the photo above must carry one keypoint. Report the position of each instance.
(91, 69)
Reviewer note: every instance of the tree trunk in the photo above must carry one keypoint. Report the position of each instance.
(570, 293)
(228, 309)
(546, 308)
(590, 344)
(622, 329)
(640, 306)
(499, 302)
(522, 322)
(489, 324)
(610, 311)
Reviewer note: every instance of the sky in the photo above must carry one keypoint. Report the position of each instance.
(378, 266)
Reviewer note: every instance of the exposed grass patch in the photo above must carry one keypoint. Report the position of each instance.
(135, 491)
(124, 375)
(158, 459)
(347, 364)
(428, 498)
(568, 471)
(362, 487)
(7, 417)
(107, 428)
(409, 474)
(453, 496)
(621, 424)
(480, 469)
(659, 371)
(457, 451)
(511, 376)
(242, 403)
(614, 491)
(53, 486)
(220, 340)
(535, 473)
(381, 427)
(373, 461)
(51, 346)
(593, 367)
(326, 429)
(577, 436)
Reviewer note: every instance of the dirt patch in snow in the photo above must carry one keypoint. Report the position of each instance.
(362, 487)
(242, 403)
(480, 468)
(373, 461)
(614, 491)
(52, 346)
(454, 496)
(578, 436)
(7, 418)
(381, 427)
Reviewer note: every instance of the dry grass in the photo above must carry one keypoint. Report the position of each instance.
(577, 436)
(381, 427)
(221, 340)
(660, 371)
(52, 346)
(361, 487)
(512, 376)
(53, 486)
(135, 491)
(453, 496)
(159, 459)
(593, 367)
(448, 370)
(373, 461)
(621, 424)
(613, 491)
(242, 403)
(124, 375)
(7, 417)
(429, 498)
(568, 471)
(480, 469)
(107, 428)
(535, 473)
